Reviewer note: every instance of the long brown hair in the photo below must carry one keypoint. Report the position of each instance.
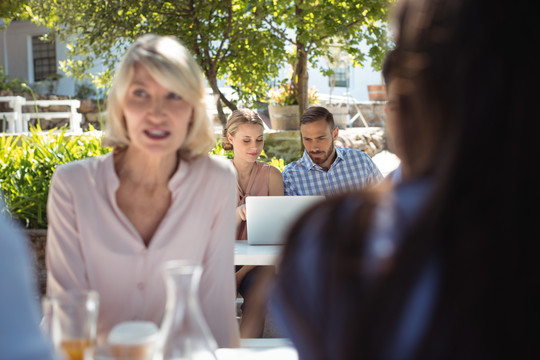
(469, 125)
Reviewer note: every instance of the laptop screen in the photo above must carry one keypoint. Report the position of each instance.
(270, 217)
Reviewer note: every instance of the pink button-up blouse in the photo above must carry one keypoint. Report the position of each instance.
(91, 244)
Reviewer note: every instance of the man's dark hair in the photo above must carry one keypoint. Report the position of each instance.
(315, 113)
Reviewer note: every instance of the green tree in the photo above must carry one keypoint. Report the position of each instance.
(245, 42)
(311, 27)
(228, 38)
(11, 10)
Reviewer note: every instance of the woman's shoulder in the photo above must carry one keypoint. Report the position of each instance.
(219, 164)
(213, 167)
(275, 180)
(263, 166)
(82, 167)
(212, 176)
(274, 171)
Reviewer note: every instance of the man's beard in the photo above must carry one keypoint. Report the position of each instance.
(320, 160)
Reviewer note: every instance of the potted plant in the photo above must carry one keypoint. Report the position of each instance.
(283, 105)
(377, 92)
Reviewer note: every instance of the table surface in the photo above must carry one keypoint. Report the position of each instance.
(260, 349)
(245, 254)
(250, 349)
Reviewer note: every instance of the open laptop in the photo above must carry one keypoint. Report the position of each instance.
(270, 217)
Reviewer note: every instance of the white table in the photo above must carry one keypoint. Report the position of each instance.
(260, 349)
(245, 254)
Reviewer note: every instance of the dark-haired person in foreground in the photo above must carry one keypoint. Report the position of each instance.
(444, 264)
(325, 169)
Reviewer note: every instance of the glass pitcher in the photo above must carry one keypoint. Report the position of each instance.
(185, 334)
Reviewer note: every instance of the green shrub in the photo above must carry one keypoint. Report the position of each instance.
(27, 164)
(218, 150)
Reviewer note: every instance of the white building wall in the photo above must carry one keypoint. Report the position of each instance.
(17, 61)
(359, 79)
(15, 43)
(66, 85)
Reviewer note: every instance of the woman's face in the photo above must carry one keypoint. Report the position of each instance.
(247, 142)
(157, 119)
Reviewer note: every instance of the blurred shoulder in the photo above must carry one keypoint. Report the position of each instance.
(339, 205)
(220, 164)
(335, 219)
(11, 236)
(215, 167)
(84, 167)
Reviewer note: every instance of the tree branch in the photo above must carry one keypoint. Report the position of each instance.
(280, 32)
(229, 104)
(312, 41)
(196, 48)
(227, 33)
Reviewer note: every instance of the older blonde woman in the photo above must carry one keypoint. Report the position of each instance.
(244, 134)
(114, 220)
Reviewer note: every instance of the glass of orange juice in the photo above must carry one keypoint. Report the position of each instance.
(70, 321)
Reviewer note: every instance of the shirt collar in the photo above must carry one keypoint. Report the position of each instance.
(340, 152)
(310, 165)
(176, 179)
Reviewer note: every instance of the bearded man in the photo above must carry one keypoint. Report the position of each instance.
(325, 169)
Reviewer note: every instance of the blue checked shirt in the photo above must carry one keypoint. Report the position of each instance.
(351, 170)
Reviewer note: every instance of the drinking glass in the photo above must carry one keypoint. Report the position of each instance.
(130, 340)
(70, 321)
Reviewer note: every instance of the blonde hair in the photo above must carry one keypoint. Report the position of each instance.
(237, 118)
(173, 67)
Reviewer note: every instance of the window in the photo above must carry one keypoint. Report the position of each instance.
(340, 78)
(44, 58)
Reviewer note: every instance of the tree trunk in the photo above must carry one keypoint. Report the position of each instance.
(300, 71)
(218, 99)
(221, 113)
(301, 76)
